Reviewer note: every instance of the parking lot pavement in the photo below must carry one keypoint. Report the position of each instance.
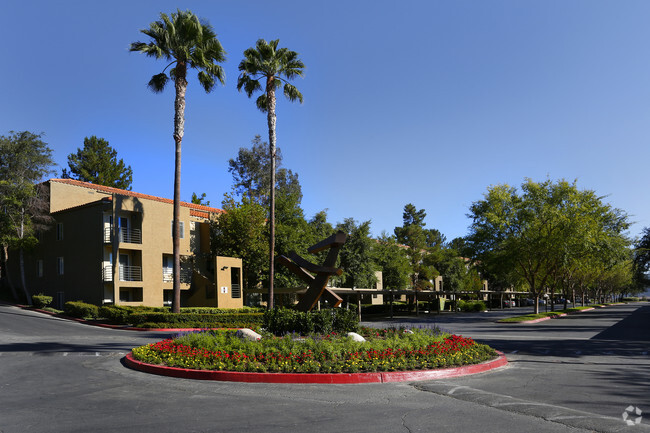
(57, 375)
(596, 362)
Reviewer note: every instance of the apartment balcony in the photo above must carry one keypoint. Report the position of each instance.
(168, 275)
(128, 236)
(125, 273)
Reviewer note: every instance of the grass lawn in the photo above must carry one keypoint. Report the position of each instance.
(551, 314)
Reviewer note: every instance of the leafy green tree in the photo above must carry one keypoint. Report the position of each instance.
(275, 67)
(535, 234)
(459, 244)
(185, 42)
(251, 173)
(240, 232)
(200, 200)
(616, 280)
(642, 261)
(356, 255)
(25, 159)
(320, 228)
(452, 268)
(293, 233)
(97, 163)
(393, 262)
(251, 180)
(418, 240)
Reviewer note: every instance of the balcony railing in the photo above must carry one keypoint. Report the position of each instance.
(107, 273)
(168, 275)
(129, 236)
(126, 273)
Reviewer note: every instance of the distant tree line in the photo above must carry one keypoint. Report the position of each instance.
(412, 257)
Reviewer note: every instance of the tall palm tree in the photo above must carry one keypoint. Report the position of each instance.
(184, 41)
(275, 67)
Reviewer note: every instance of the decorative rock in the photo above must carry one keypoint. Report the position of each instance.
(248, 334)
(356, 337)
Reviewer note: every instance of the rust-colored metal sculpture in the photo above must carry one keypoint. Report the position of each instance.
(317, 285)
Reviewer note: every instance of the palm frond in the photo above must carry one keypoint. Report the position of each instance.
(185, 39)
(206, 80)
(262, 103)
(249, 84)
(292, 93)
(276, 65)
(158, 82)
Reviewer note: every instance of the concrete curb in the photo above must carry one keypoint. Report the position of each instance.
(557, 316)
(318, 378)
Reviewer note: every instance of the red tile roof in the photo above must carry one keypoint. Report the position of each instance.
(196, 209)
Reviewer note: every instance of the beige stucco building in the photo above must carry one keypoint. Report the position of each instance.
(112, 246)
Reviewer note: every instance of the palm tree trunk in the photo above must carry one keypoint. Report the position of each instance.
(179, 129)
(270, 90)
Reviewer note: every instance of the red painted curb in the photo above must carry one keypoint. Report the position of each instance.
(557, 316)
(541, 319)
(322, 378)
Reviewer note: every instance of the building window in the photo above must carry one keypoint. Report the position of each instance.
(181, 229)
(59, 231)
(131, 294)
(40, 267)
(59, 265)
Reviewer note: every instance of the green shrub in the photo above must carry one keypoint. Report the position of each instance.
(345, 320)
(41, 301)
(121, 314)
(282, 321)
(115, 313)
(213, 310)
(374, 308)
(194, 320)
(81, 310)
(468, 306)
(479, 306)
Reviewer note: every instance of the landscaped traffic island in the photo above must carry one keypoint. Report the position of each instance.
(385, 350)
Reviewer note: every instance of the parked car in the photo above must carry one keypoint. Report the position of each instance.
(509, 303)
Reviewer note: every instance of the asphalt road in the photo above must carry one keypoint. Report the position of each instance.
(573, 374)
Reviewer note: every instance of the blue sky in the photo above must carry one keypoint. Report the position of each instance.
(423, 102)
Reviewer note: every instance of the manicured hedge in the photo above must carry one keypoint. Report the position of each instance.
(471, 305)
(195, 320)
(190, 317)
(282, 321)
(41, 301)
(213, 310)
(120, 314)
(81, 310)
